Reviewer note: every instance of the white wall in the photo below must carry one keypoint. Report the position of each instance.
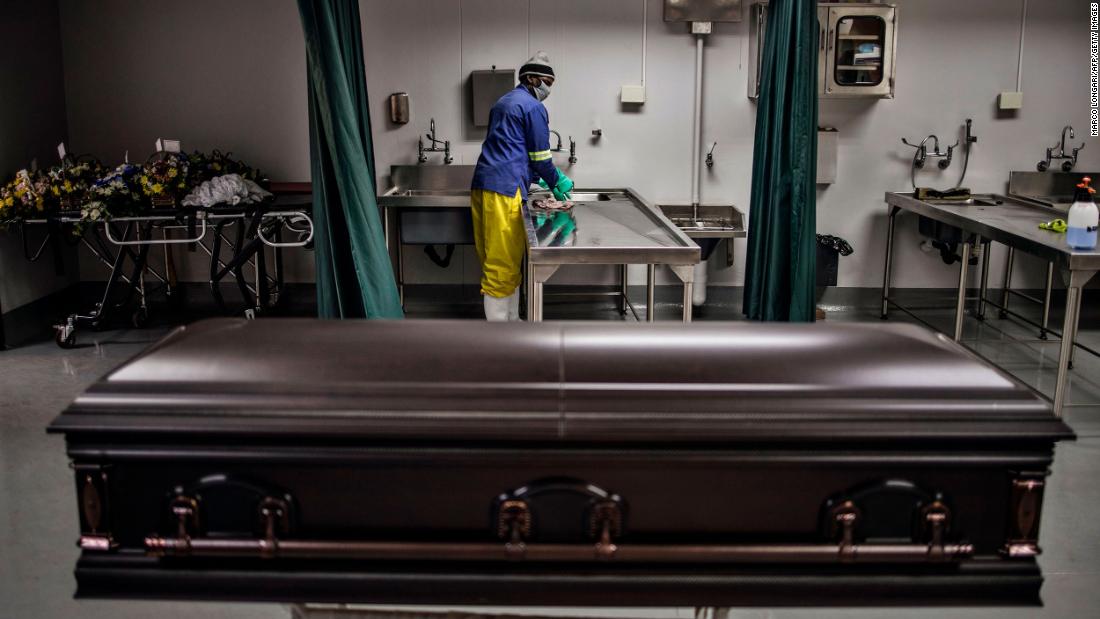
(953, 59)
(129, 83)
(32, 122)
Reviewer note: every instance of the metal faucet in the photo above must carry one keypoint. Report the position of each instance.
(1071, 136)
(710, 155)
(1071, 159)
(572, 147)
(556, 149)
(922, 153)
(446, 150)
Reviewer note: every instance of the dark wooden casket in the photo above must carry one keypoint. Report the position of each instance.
(581, 464)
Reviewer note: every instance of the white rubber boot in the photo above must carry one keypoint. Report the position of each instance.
(513, 306)
(496, 308)
(699, 288)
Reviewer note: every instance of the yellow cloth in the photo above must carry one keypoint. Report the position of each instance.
(500, 240)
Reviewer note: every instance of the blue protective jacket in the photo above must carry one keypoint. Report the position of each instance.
(516, 151)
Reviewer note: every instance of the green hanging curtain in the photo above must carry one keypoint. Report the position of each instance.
(780, 268)
(354, 273)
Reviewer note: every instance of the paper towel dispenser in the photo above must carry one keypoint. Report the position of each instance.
(487, 86)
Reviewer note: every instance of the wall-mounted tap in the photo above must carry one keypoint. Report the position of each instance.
(922, 154)
(710, 156)
(1071, 159)
(556, 149)
(572, 147)
(446, 150)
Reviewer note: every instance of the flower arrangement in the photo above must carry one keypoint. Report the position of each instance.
(116, 194)
(206, 167)
(25, 196)
(99, 193)
(69, 185)
(166, 180)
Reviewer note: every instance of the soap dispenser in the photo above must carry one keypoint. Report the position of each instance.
(1083, 217)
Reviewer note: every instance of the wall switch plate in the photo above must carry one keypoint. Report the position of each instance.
(61, 152)
(632, 94)
(1011, 100)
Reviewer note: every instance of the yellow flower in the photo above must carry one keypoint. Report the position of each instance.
(55, 191)
(144, 179)
(182, 185)
(172, 173)
(68, 186)
(157, 188)
(39, 202)
(217, 166)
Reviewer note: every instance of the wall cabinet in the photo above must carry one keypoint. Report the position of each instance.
(856, 49)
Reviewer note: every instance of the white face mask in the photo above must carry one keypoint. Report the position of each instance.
(542, 91)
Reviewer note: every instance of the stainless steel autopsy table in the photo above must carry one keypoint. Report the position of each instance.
(617, 227)
(1012, 222)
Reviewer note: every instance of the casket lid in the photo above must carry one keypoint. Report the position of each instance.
(467, 381)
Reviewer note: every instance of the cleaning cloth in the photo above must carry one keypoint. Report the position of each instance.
(959, 193)
(1054, 225)
(552, 204)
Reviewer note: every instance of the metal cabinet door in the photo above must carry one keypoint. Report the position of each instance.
(758, 27)
(758, 24)
(822, 43)
(851, 68)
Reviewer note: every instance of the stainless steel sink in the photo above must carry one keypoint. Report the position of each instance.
(428, 193)
(428, 186)
(581, 196)
(708, 221)
(974, 201)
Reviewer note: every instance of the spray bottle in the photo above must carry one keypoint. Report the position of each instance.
(1083, 218)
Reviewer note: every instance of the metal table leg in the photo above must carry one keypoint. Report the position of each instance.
(386, 229)
(529, 287)
(650, 292)
(1046, 301)
(537, 293)
(1074, 283)
(1007, 286)
(400, 262)
(686, 273)
(1076, 327)
(889, 260)
(1066, 349)
(622, 289)
(688, 287)
(537, 275)
(960, 303)
(984, 288)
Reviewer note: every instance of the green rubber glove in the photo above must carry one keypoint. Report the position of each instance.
(564, 187)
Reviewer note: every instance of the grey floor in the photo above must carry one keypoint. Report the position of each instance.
(38, 516)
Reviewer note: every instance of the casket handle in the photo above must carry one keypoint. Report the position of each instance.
(272, 546)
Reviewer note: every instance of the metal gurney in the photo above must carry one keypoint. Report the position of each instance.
(236, 238)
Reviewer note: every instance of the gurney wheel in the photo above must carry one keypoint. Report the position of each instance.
(63, 340)
(140, 318)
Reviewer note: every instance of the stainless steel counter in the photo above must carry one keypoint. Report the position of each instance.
(1013, 222)
(613, 226)
(1005, 220)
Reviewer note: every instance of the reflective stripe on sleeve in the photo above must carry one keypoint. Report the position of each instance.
(539, 155)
